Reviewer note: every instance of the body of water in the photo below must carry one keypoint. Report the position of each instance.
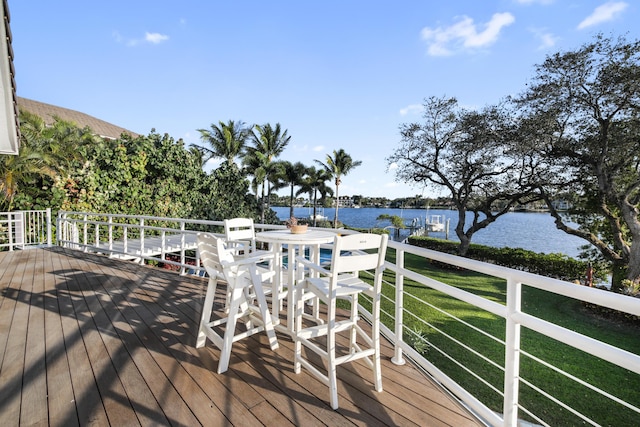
(533, 231)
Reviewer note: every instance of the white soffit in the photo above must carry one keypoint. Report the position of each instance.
(9, 138)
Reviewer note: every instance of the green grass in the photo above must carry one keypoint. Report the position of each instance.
(560, 310)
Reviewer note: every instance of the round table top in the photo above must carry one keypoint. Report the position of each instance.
(286, 236)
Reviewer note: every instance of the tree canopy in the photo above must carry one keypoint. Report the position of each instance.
(585, 105)
(475, 155)
(574, 133)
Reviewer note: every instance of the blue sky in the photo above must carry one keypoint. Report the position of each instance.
(335, 74)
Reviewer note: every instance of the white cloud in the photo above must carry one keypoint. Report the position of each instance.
(534, 1)
(411, 109)
(393, 166)
(318, 148)
(547, 39)
(465, 34)
(155, 38)
(603, 13)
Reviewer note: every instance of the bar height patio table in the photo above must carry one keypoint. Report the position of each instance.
(295, 243)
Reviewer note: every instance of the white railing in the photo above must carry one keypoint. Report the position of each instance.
(120, 235)
(140, 238)
(24, 229)
(515, 320)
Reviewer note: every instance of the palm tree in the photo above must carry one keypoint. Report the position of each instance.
(292, 174)
(340, 164)
(314, 182)
(45, 151)
(275, 181)
(19, 170)
(268, 144)
(226, 141)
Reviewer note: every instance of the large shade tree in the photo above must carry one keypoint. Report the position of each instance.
(585, 107)
(336, 166)
(474, 155)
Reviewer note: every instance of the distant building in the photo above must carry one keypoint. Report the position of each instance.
(561, 205)
(344, 202)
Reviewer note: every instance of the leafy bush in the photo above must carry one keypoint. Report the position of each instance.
(554, 265)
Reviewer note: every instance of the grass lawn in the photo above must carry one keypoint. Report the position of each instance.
(563, 311)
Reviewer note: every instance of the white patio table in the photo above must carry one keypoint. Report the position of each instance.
(295, 244)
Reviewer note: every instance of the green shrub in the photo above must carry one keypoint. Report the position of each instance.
(554, 265)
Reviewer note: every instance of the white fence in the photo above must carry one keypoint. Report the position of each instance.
(140, 238)
(143, 239)
(24, 229)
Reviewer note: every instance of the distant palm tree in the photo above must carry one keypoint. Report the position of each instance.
(314, 182)
(292, 174)
(255, 166)
(227, 141)
(275, 180)
(268, 144)
(340, 164)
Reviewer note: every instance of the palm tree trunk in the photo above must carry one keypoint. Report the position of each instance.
(291, 203)
(315, 204)
(335, 217)
(262, 205)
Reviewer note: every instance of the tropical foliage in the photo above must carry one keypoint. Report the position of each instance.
(226, 141)
(336, 166)
(61, 166)
(267, 143)
(314, 183)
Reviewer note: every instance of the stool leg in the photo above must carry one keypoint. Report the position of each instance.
(206, 311)
(264, 310)
(229, 333)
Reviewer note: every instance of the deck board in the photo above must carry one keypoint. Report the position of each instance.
(85, 339)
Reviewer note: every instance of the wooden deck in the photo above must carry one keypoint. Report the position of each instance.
(85, 339)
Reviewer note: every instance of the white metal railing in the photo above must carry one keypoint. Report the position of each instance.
(141, 238)
(24, 229)
(515, 319)
(118, 235)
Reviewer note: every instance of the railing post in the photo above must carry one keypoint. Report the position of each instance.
(110, 233)
(397, 357)
(125, 237)
(85, 237)
(59, 231)
(141, 241)
(512, 354)
(49, 235)
(10, 230)
(183, 270)
(62, 230)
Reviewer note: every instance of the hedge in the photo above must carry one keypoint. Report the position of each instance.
(554, 265)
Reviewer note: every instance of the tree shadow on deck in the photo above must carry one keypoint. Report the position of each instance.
(127, 336)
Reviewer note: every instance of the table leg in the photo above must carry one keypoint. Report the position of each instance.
(276, 289)
(291, 287)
